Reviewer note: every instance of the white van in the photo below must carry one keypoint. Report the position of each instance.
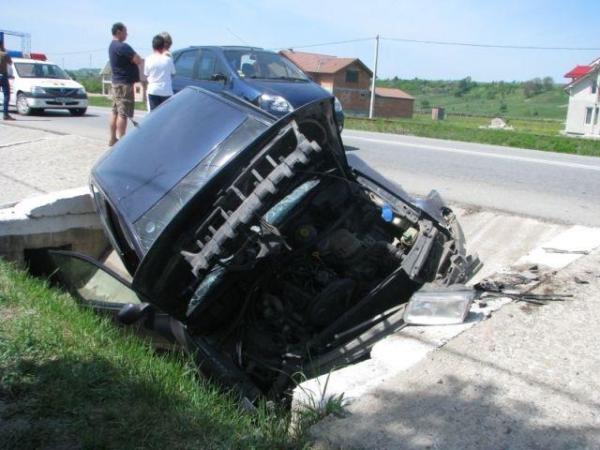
(38, 85)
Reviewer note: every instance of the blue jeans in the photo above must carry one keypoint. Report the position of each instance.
(6, 89)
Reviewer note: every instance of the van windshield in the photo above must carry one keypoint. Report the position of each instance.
(37, 70)
(263, 65)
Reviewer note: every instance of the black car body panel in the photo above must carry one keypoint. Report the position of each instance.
(276, 252)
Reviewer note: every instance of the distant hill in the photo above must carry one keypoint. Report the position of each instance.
(537, 98)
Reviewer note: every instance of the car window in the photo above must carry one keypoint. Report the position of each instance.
(262, 64)
(206, 65)
(36, 70)
(184, 66)
(91, 282)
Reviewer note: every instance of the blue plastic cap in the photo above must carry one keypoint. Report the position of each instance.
(386, 213)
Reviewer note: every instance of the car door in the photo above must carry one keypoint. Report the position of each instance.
(95, 286)
(211, 73)
(186, 64)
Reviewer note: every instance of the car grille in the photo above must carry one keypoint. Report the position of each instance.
(61, 92)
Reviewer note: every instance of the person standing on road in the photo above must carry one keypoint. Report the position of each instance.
(159, 69)
(5, 60)
(125, 73)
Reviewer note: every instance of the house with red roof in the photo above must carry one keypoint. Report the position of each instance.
(349, 79)
(583, 116)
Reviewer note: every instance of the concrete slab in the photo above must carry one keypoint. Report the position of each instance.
(501, 239)
(525, 379)
(63, 219)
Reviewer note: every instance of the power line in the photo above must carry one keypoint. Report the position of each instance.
(474, 44)
(330, 43)
(82, 52)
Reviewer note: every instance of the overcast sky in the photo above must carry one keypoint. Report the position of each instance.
(73, 32)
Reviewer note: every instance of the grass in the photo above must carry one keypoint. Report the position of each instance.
(489, 99)
(71, 379)
(96, 100)
(532, 134)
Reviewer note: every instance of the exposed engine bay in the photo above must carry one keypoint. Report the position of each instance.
(335, 256)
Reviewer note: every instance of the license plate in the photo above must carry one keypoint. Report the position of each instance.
(63, 100)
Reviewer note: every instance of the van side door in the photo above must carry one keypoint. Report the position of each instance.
(186, 66)
(212, 74)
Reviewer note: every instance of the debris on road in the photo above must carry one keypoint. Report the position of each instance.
(439, 305)
(567, 252)
(580, 280)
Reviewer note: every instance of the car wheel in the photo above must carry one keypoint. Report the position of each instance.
(78, 111)
(22, 106)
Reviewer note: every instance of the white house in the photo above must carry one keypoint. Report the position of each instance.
(584, 100)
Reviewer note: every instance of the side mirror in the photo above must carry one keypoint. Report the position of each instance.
(218, 77)
(132, 312)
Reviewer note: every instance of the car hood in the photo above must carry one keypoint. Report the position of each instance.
(156, 155)
(53, 83)
(298, 93)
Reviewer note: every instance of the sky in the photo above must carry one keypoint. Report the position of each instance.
(76, 33)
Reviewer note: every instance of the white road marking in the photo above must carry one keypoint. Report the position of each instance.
(476, 153)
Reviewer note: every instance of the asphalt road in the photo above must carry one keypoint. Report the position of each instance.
(551, 186)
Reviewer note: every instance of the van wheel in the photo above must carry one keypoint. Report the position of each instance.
(22, 106)
(78, 111)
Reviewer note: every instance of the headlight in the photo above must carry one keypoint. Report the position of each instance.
(81, 91)
(338, 105)
(275, 104)
(38, 90)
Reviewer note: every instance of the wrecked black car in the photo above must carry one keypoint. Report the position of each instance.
(258, 244)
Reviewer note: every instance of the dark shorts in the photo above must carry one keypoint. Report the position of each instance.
(123, 99)
(155, 100)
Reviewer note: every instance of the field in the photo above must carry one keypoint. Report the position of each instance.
(530, 134)
(95, 100)
(533, 99)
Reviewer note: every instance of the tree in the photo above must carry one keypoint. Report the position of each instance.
(532, 87)
(425, 104)
(464, 86)
(548, 83)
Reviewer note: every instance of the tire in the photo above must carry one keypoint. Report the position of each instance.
(22, 106)
(78, 111)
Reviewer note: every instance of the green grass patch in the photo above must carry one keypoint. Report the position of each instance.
(530, 99)
(531, 134)
(95, 100)
(72, 379)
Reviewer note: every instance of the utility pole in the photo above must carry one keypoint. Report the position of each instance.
(372, 105)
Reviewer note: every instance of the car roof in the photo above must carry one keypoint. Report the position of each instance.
(224, 47)
(29, 60)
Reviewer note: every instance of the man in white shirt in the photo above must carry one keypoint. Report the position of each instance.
(159, 69)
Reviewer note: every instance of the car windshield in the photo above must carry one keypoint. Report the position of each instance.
(37, 70)
(263, 65)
